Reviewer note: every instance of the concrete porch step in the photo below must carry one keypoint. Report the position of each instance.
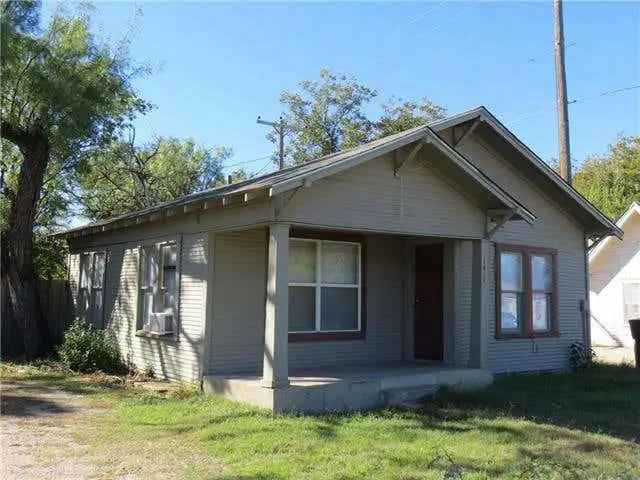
(401, 397)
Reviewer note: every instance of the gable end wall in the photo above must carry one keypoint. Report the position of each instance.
(553, 229)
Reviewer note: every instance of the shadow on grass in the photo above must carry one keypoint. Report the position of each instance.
(31, 406)
(590, 400)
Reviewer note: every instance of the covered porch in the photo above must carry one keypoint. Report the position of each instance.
(420, 323)
(349, 388)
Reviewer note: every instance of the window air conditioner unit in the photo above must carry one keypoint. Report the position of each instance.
(159, 323)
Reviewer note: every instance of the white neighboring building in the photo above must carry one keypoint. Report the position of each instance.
(614, 273)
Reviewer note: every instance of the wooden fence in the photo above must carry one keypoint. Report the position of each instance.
(56, 305)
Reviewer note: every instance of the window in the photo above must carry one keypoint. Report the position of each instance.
(90, 294)
(631, 298)
(324, 286)
(526, 293)
(158, 288)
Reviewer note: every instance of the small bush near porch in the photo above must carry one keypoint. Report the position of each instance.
(548, 426)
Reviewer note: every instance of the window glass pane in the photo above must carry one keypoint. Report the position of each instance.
(98, 269)
(302, 309)
(511, 312)
(151, 267)
(84, 270)
(541, 272)
(511, 271)
(147, 308)
(169, 255)
(541, 311)
(631, 294)
(339, 263)
(83, 304)
(97, 308)
(169, 288)
(302, 261)
(339, 308)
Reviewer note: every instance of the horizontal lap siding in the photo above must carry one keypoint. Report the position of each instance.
(176, 360)
(369, 196)
(239, 305)
(463, 276)
(617, 263)
(552, 229)
(237, 337)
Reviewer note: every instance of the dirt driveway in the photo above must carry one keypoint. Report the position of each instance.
(35, 432)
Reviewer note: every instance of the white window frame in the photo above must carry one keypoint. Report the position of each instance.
(158, 289)
(318, 285)
(631, 281)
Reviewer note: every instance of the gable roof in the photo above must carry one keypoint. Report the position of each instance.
(570, 197)
(634, 209)
(294, 177)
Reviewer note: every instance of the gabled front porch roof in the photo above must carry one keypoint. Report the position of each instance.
(495, 197)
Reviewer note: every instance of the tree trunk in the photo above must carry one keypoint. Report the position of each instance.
(17, 248)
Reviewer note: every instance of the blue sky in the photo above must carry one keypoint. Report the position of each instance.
(219, 65)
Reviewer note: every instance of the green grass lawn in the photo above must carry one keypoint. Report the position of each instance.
(547, 426)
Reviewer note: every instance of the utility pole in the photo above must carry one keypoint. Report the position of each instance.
(280, 129)
(562, 106)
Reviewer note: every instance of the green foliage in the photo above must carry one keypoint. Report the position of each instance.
(612, 181)
(581, 355)
(88, 349)
(238, 175)
(49, 253)
(402, 115)
(328, 115)
(72, 88)
(122, 177)
(49, 256)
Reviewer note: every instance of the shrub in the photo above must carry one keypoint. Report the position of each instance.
(88, 349)
(581, 355)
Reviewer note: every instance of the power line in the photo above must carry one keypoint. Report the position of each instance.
(246, 162)
(535, 113)
(255, 174)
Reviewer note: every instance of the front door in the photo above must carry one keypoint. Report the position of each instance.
(428, 330)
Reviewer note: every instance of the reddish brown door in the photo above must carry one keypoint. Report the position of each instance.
(428, 331)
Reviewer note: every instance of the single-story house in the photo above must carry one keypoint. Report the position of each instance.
(614, 266)
(440, 255)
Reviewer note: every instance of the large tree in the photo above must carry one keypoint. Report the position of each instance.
(52, 209)
(399, 115)
(63, 92)
(329, 114)
(123, 177)
(612, 181)
(326, 115)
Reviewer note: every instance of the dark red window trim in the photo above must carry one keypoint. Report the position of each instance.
(340, 237)
(527, 327)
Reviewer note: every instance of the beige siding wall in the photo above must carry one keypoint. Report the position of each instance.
(463, 280)
(177, 359)
(554, 229)
(422, 202)
(618, 263)
(369, 197)
(239, 304)
(237, 333)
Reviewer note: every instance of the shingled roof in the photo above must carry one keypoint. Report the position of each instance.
(293, 177)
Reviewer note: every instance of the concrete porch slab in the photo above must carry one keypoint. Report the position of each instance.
(347, 388)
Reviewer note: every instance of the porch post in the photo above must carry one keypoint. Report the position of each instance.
(276, 326)
(479, 304)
